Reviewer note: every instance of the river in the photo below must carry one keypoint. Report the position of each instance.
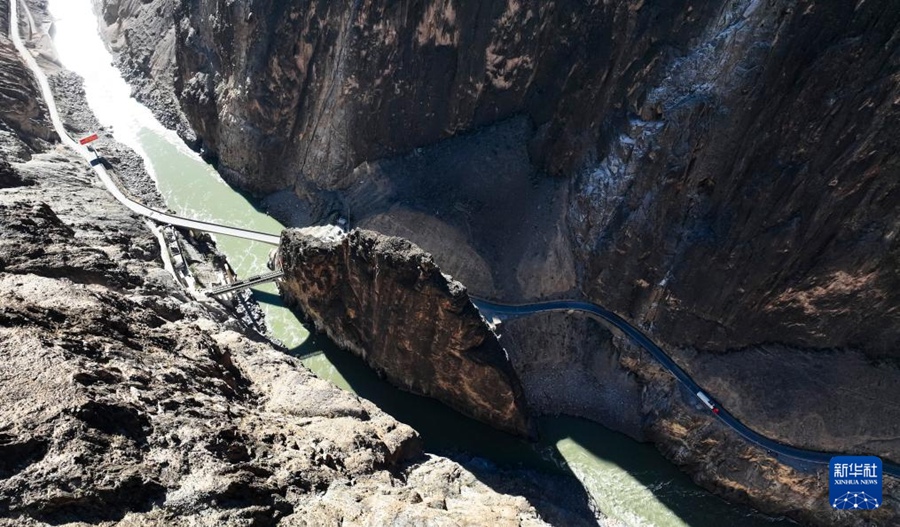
(631, 482)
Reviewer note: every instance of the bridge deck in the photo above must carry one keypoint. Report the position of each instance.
(249, 282)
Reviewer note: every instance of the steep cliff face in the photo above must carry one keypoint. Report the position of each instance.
(146, 25)
(753, 197)
(302, 92)
(24, 119)
(754, 137)
(386, 300)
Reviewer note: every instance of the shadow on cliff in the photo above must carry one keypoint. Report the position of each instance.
(501, 461)
(662, 481)
(443, 429)
(538, 471)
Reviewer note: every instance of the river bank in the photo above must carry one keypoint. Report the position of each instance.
(196, 262)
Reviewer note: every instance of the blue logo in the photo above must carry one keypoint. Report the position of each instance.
(855, 482)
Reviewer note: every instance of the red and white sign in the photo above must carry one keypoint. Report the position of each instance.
(89, 139)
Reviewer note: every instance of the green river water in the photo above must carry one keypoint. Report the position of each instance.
(631, 482)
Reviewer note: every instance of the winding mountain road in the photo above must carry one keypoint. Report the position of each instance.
(780, 450)
(90, 157)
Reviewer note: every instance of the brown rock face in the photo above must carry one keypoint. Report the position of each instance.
(755, 137)
(264, 85)
(753, 197)
(387, 301)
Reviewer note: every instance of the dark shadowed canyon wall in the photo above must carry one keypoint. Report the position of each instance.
(754, 137)
(289, 91)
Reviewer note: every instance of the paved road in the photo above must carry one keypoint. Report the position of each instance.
(507, 311)
(101, 172)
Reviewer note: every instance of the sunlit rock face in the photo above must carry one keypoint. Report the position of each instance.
(384, 299)
(24, 119)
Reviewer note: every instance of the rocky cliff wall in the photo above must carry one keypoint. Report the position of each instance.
(24, 120)
(267, 85)
(752, 196)
(385, 299)
(146, 25)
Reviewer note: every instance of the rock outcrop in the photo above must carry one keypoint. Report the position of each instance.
(120, 401)
(386, 300)
(24, 121)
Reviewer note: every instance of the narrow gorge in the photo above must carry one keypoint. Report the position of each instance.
(724, 175)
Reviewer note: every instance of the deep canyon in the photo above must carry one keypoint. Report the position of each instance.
(724, 175)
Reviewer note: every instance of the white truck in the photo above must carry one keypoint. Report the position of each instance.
(708, 402)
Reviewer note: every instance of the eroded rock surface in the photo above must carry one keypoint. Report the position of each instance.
(133, 408)
(387, 301)
(24, 122)
(121, 401)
